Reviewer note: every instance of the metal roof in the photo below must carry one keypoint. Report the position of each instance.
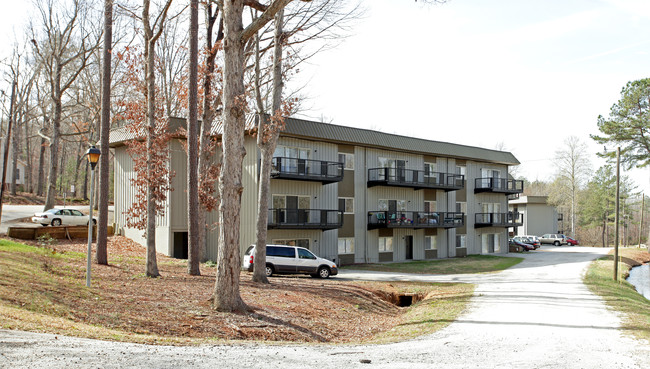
(365, 137)
(307, 129)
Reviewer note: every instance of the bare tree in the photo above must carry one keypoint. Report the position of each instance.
(105, 124)
(226, 292)
(573, 168)
(63, 51)
(192, 144)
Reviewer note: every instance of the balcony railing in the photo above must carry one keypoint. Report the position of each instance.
(498, 185)
(307, 170)
(414, 219)
(281, 218)
(418, 179)
(509, 219)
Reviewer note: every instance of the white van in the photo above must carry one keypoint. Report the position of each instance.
(283, 259)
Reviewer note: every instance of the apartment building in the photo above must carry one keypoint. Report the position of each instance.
(352, 195)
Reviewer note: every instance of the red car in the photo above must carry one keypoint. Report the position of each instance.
(571, 241)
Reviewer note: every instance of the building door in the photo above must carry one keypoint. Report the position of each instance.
(408, 247)
(401, 170)
(292, 209)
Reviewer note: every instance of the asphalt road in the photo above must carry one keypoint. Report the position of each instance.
(537, 314)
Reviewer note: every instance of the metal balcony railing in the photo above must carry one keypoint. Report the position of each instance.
(414, 219)
(306, 170)
(509, 219)
(418, 179)
(498, 185)
(282, 218)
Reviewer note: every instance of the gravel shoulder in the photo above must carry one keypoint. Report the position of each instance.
(537, 314)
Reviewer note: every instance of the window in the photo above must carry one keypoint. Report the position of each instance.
(281, 252)
(18, 174)
(385, 244)
(305, 254)
(429, 206)
(291, 202)
(291, 152)
(392, 205)
(430, 242)
(386, 162)
(346, 205)
(346, 245)
(460, 240)
(347, 160)
(429, 169)
(462, 170)
(300, 242)
(461, 207)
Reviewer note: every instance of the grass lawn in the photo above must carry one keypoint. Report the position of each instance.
(42, 289)
(470, 264)
(620, 295)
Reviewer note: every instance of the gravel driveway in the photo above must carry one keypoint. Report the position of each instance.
(537, 314)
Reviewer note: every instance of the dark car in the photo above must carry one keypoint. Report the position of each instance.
(571, 241)
(528, 240)
(523, 246)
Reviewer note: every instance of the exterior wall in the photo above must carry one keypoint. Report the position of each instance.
(125, 194)
(538, 219)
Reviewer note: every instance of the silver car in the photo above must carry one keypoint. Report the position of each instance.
(554, 238)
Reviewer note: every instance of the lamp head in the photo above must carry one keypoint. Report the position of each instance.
(93, 156)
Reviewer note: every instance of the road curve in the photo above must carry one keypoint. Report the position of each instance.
(537, 314)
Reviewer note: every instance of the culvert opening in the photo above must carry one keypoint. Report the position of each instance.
(404, 300)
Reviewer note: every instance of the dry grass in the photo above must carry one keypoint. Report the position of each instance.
(42, 288)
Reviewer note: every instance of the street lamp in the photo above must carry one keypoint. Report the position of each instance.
(93, 157)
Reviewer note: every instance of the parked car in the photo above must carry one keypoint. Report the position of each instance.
(571, 241)
(534, 238)
(524, 246)
(555, 239)
(58, 217)
(281, 259)
(528, 240)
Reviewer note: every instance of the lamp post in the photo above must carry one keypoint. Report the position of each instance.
(93, 157)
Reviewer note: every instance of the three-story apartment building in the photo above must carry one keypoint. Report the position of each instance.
(353, 196)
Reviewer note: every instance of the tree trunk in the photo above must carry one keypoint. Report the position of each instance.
(50, 196)
(15, 150)
(41, 168)
(29, 180)
(267, 144)
(226, 290)
(194, 254)
(105, 124)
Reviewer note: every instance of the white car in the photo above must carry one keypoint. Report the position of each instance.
(58, 217)
(281, 259)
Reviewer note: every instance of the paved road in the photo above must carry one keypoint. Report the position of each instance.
(537, 314)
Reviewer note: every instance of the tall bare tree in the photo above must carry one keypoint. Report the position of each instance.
(151, 34)
(194, 249)
(63, 50)
(226, 292)
(105, 124)
(573, 169)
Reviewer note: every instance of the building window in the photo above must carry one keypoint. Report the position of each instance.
(430, 242)
(392, 205)
(385, 244)
(291, 152)
(460, 240)
(429, 206)
(346, 205)
(461, 207)
(462, 170)
(346, 245)
(429, 169)
(300, 242)
(291, 202)
(347, 160)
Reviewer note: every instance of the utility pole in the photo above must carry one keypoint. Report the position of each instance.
(618, 196)
(641, 224)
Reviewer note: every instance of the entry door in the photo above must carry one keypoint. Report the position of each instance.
(409, 247)
(401, 170)
(292, 209)
(392, 211)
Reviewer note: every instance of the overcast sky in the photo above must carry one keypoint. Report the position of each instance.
(519, 74)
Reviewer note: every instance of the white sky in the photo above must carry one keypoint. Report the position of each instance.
(523, 73)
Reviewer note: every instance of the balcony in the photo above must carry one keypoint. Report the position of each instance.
(499, 185)
(509, 219)
(414, 219)
(307, 170)
(282, 218)
(417, 179)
